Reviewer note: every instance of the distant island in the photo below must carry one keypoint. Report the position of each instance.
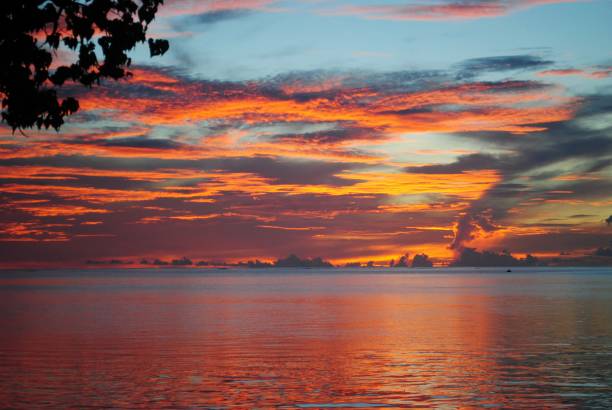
(291, 261)
(467, 257)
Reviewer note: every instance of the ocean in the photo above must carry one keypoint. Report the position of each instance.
(306, 338)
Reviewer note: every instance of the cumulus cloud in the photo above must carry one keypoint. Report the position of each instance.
(538, 159)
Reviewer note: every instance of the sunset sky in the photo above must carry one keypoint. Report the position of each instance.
(352, 130)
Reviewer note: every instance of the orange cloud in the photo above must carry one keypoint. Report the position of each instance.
(31, 232)
(473, 107)
(292, 228)
(62, 210)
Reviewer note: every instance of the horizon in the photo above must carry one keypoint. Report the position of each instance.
(354, 130)
(484, 259)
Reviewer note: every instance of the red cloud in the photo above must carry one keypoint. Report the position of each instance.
(594, 74)
(189, 7)
(446, 10)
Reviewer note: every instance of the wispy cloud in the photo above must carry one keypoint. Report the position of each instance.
(442, 9)
(212, 7)
(600, 73)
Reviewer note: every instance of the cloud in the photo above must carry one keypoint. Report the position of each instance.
(478, 106)
(141, 142)
(217, 16)
(475, 66)
(441, 9)
(564, 72)
(471, 162)
(301, 161)
(173, 8)
(347, 134)
(570, 142)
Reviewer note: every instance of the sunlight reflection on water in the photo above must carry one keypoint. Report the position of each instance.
(306, 339)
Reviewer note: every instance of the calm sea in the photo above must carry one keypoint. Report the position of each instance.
(534, 338)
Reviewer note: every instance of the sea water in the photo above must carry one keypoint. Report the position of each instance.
(306, 338)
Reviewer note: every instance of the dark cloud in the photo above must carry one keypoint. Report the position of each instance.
(280, 170)
(142, 142)
(531, 155)
(469, 223)
(565, 240)
(471, 162)
(394, 82)
(476, 66)
(217, 16)
(333, 136)
(286, 171)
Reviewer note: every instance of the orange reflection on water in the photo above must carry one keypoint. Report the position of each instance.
(287, 340)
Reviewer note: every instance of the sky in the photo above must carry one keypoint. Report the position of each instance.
(352, 130)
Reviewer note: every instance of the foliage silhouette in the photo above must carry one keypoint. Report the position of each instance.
(98, 34)
(293, 261)
(403, 261)
(421, 261)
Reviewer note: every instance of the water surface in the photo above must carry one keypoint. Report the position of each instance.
(535, 338)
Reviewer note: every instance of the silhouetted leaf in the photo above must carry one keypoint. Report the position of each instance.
(25, 74)
(158, 47)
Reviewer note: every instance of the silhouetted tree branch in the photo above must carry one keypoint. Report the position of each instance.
(98, 32)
